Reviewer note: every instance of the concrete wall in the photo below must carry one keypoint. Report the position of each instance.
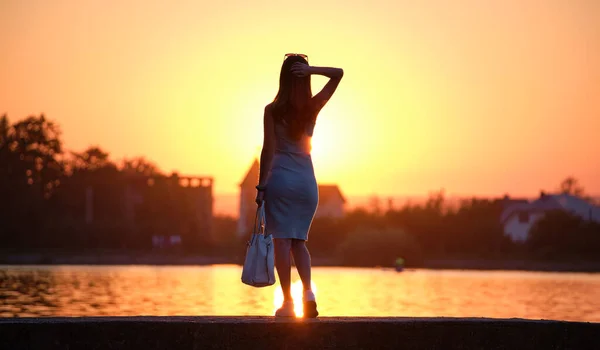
(188, 333)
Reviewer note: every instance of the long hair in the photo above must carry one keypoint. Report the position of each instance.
(292, 106)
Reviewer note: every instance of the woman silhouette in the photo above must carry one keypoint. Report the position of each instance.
(287, 183)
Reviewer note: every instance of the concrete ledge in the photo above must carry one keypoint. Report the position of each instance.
(146, 333)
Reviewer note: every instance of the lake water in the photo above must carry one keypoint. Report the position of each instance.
(29, 291)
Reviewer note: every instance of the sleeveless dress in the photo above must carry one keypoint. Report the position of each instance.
(291, 191)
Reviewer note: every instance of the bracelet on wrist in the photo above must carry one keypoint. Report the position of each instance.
(260, 188)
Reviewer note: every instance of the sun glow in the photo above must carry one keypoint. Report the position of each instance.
(319, 147)
(329, 143)
(405, 119)
(296, 296)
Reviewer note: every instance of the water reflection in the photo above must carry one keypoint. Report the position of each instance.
(217, 290)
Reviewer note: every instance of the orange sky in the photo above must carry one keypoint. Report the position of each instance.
(477, 97)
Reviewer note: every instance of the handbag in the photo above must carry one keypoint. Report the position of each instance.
(259, 264)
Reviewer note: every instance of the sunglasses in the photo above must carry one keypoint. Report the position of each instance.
(296, 54)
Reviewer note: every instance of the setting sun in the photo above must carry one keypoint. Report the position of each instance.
(297, 291)
(324, 145)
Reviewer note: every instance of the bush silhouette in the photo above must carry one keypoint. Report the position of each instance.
(378, 247)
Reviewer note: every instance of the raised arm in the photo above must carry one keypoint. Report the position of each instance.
(268, 149)
(335, 76)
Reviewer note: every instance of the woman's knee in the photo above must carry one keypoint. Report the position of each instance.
(283, 243)
(298, 244)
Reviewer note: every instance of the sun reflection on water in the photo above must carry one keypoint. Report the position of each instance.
(40, 291)
(297, 291)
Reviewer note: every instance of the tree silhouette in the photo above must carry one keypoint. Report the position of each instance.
(37, 143)
(571, 186)
(388, 243)
(140, 166)
(86, 201)
(436, 201)
(375, 204)
(561, 234)
(91, 159)
(29, 176)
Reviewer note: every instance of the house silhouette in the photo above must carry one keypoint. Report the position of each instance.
(519, 217)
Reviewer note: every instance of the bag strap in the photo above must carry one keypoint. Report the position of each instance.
(259, 220)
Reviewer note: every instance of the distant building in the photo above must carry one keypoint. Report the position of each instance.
(519, 217)
(331, 200)
(247, 197)
(161, 196)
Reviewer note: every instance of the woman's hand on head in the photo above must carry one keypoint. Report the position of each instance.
(300, 69)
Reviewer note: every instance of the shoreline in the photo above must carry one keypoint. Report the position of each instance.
(202, 260)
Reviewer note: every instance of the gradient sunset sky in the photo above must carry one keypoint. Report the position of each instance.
(477, 97)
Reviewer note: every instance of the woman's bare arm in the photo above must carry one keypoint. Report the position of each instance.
(268, 148)
(329, 72)
(335, 76)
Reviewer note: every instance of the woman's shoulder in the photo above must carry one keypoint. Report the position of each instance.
(272, 111)
(269, 114)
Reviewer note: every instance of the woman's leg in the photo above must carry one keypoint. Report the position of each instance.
(302, 260)
(284, 266)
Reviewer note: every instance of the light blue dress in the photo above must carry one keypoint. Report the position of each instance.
(291, 194)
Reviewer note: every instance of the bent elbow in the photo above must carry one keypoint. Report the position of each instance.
(341, 73)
